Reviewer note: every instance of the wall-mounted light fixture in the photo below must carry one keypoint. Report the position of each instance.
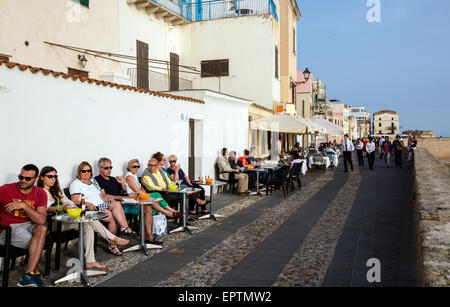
(83, 60)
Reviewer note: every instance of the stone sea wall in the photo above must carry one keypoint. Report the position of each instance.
(432, 194)
(438, 147)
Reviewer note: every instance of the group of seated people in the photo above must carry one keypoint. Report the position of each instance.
(24, 206)
(230, 164)
(329, 148)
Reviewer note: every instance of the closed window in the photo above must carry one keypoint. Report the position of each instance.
(215, 68)
(83, 2)
(293, 41)
(276, 62)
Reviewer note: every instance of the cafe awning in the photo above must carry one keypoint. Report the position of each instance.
(331, 129)
(284, 123)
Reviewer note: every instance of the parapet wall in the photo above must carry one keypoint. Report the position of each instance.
(432, 186)
(439, 147)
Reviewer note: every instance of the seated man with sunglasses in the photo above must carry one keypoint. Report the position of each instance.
(114, 186)
(23, 207)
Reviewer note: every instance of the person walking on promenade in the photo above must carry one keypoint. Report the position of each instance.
(387, 148)
(347, 148)
(398, 151)
(413, 147)
(381, 143)
(359, 152)
(370, 148)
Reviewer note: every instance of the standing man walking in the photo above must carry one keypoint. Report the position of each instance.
(398, 151)
(359, 152)
(370, 148)
(386, 150)
(347, 148)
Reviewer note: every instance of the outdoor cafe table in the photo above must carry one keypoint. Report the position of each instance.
(326, 159)
(211, 191)
(258, 170)
(304, 166)
(141, 204)
(82, 274)
(334, 159)
(185, 192)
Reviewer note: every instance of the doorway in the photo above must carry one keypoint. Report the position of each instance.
(195, 148)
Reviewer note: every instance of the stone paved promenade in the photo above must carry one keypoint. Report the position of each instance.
(322, 235)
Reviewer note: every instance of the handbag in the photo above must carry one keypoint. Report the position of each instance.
(159, 227)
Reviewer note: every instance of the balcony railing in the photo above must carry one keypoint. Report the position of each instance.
(158, 81)
(211, 10)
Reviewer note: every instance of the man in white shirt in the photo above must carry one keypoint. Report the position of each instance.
(370, 148)
(347, 148)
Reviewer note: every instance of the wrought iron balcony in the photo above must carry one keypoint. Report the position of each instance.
(182, 11)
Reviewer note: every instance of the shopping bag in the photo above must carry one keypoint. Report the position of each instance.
(159, 227)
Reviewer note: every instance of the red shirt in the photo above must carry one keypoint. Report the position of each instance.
(10, 193)
(365, 143)
(243, 161)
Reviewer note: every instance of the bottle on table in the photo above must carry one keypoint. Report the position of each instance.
(83, 205)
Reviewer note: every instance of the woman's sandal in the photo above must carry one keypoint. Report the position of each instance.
(120, 242)
(177, 215)
(117, 251)
(192, 212)
(203, 209)
(131, 233)
(96, 266)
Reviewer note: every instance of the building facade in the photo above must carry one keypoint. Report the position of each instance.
(362, 121)
(289, 17)
(319, 102)
(386, 122)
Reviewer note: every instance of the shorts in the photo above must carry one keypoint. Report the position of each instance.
(103, 207)
(21, 234)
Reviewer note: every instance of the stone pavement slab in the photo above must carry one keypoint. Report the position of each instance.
(380, 225)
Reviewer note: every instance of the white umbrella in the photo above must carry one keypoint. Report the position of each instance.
(331, 129)
(284, 124)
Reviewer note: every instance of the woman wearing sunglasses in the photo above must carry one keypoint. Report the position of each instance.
(97, 200)
(48, 181)
(134, 186)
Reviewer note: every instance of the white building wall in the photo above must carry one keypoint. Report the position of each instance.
(61, 22)
(58, 122)
(249, 44)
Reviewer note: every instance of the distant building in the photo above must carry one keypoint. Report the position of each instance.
(386, 122)
(362, 121)
(319, 98)
(304, 98)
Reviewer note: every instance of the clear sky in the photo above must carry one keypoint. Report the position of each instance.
(401, 63)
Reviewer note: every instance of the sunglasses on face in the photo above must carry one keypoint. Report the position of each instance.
(136, 166)
(26, 178)
(173, 161)
(152, 165)
(108, 167)
(86, 171)
(51, 176)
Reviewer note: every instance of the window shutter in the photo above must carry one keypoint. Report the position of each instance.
(174, 72)
(215, 68)
(84, 3)
(276, 62)
(293, 41)
(142, 65)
